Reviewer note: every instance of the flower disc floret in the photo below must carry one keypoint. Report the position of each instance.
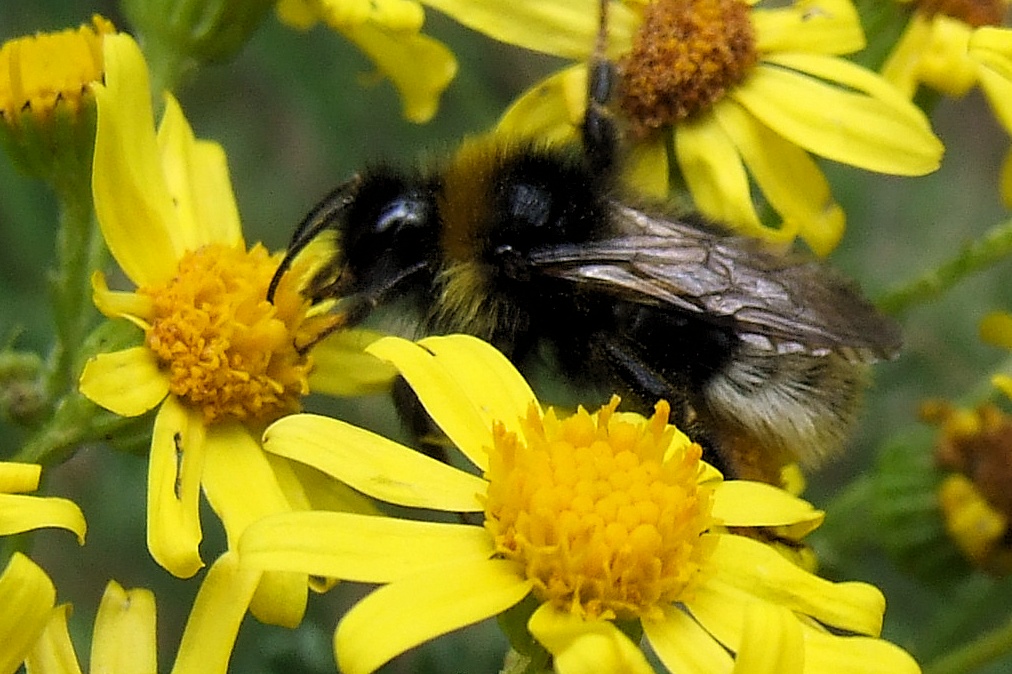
(227, 350)
(603, 518)
(685, 57)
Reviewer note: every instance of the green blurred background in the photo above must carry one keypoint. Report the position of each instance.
(297, 113)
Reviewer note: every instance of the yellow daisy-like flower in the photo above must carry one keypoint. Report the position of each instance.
(387, 31)
(219, 361)
(597, 518)
(996, 328)
(124, 639)
(976, 504)
(747, 92)
(47, 113)
(953, 46)
(26, 593)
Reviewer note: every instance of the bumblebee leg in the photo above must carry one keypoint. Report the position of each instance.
(648, 386)
(599, 134)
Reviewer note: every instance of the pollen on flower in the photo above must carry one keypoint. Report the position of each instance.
(602, 512)
(39, 72)
(975, 13)
(228, 351)
(685, 57)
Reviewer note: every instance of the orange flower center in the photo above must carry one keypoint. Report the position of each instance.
(686, 56)
(975, 13)
(227, 349)
(603, 513)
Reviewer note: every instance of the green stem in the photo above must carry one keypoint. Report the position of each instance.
(79, 251)
(992, 247)
(983, 650)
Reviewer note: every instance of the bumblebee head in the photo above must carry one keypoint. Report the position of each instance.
(386, 229)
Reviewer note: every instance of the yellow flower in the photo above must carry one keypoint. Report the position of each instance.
(765, 85)
(219, 361)
(387, 31)
(598, 519)
(973, 448)
(996, 328)
(26, 592)
(124, 640)
(46, 108)
(952, 47)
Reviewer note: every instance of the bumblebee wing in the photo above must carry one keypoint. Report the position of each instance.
(777, 303)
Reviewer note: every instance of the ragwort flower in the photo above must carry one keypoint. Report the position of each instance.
(599, 518)
(124, 639)
(953, 46)
(26, 593)
(388, 32)
(219, 361)
(47, 114)
(746, 91)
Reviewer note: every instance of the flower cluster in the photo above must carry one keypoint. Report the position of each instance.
(599, 539)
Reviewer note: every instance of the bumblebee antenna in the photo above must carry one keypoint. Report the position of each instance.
(317, 220)
(599, 134)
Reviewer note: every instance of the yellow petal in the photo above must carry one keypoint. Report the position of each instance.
(374, 465)
(358, 547)
(645, 168)
(772, 643)
(758, 570)
(325, 493)
(132, 202)
(992, 46)
(713, 170)
(453, 409)
(54, 653)
(789, 179)
(902, 67)
(280, 598)
(27, 597)
(124, 640)
(174, 471)
(1003, 383)
(138, 309)
(296, 13)
(341, 367)
(810, 26)
(411, 611)
(566, 28)
(214, 620)
(418, 65)
(19, 513)
(830, 654)
(998, 90)
(685, 647)
(241, 488)
(996, 328)
(196, 174)
(238, 480)
(738, 503)
(580, 646)
(19, 478)
(880, 132)
(550, 111)
(499, 391)
(127, 382)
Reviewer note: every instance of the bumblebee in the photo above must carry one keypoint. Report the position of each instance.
(762, 356)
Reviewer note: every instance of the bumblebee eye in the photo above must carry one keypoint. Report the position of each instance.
(407, 212)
